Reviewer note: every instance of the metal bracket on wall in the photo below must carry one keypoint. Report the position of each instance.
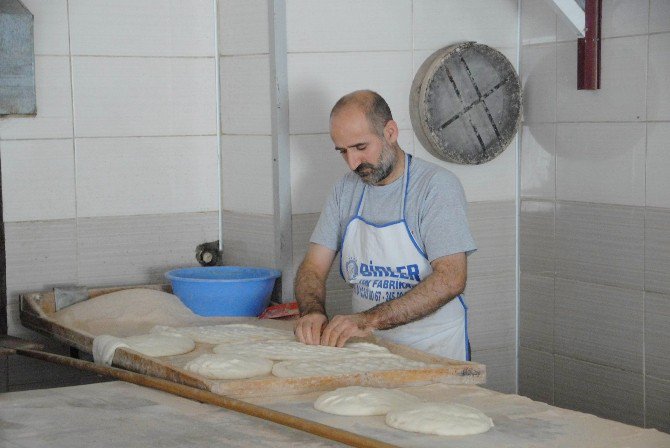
(588, 48)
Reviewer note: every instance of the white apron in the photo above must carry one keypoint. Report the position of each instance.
(382, 262)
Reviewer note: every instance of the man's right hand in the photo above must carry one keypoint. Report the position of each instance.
(309, 327)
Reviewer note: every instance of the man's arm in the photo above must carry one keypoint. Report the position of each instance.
(310, 293)
(445, 282)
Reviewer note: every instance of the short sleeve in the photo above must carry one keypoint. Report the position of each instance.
(443, 222)
(327, 230)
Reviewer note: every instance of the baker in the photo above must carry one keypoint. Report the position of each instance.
(400, 226)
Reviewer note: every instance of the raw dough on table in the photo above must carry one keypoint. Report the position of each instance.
(367, 347)
(229, 367)
(345, 366)
(359, 400)
(444, 419)
(227, 333)
(294, 351)
(285, 350)
(160, 344)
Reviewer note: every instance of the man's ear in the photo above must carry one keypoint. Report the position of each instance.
(391, 131)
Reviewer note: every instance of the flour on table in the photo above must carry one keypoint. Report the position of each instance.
(359, 400)
(286, 350)
(345, 366)
(160, 344)
(444, 419)
(229, 367)
(125, 311)
(227, 333)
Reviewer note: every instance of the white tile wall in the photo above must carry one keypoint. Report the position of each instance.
(491, 181)
(247, 178)
(538, 22)
(538, 79)
(137, 250)
(601, 162)
(139, 176)
(50, 26)
(348, 25)
(624, 18)
(315, 167)
(406, 140)
(54, 103)
(40, 255)
(441, 22)
(538, 161)
(318, 80)
(119, 97)
(419, 56)
(565, 31)
(622, 93)
(659, 16)
(37, 180)
(245, 95)
(658, 89)
(142, 28)
(658, 165)
(243, 27)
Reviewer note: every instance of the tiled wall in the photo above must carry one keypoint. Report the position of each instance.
(115, 180)
(595, 216)
(381, 47)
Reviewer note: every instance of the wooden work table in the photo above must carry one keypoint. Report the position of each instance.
(118, 414)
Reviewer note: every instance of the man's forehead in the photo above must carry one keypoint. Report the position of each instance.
(351, 120)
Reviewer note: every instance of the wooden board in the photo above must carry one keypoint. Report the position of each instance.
(37, 312)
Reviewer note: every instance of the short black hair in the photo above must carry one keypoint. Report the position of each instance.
(373, 105)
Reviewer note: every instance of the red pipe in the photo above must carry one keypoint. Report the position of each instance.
(588, 48)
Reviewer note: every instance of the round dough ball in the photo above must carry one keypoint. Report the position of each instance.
(229, 367)
(359, 400)
(160, 344)
(443, 419)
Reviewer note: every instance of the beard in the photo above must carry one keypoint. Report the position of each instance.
(373, 174)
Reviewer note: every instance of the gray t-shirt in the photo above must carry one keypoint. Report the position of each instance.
(435, 209)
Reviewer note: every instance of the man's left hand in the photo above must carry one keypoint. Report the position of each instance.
(342, 327)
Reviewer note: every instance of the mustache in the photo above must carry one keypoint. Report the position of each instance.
(364, 166)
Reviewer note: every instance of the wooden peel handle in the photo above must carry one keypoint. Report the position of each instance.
(204, 396)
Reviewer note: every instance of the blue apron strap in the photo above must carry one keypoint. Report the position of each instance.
(467, 339)
(408, 160)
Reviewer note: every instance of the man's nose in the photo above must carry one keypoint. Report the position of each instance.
(353, 160)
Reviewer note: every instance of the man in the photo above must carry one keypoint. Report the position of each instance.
(400, 226)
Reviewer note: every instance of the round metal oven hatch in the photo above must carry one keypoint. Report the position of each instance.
(465, 103)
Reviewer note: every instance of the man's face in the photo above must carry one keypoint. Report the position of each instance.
(367, 154)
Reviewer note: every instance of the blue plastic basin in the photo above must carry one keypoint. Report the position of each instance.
(224, 290)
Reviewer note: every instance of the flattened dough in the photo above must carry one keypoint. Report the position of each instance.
(443, 419)
(228, 333)
(367, 348)
(160, 344)
(359, 400)
(285, 350)
(344, 366)
(229, 367)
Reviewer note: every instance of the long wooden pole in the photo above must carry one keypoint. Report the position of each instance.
(204, 396)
